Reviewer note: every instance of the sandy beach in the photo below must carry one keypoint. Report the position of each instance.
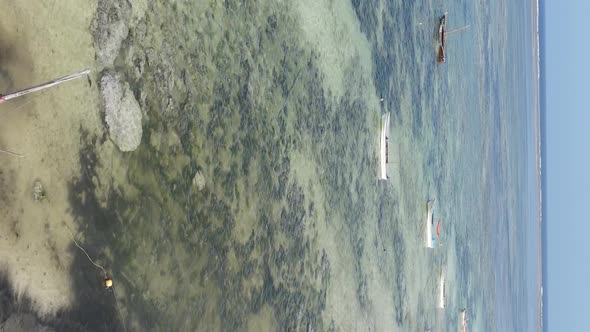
(42, 40)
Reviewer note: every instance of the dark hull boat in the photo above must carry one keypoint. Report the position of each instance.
(442, 34)
(441, 38)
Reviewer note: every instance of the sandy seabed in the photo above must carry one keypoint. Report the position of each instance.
(42, 40)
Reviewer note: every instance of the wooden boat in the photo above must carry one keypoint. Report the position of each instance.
(442, 34)
(384, 146)
(441, 38)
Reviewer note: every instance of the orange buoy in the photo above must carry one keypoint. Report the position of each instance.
(108, 282)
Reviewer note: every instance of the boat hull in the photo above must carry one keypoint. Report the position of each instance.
(441, 295)
(384, 146)
(441, 38)
(429, 224)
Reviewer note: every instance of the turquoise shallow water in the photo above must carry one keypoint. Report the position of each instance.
(253, 203)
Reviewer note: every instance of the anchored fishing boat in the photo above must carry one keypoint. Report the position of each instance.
(442, 33)
(432, 231)
(384, 146)
(441, 295)
(441, 38)
(464, 320)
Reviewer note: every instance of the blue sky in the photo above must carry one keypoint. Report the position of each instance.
(567, 139)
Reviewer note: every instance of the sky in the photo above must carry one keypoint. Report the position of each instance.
(567, 164)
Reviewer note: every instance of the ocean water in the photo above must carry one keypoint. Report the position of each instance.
(253, 203)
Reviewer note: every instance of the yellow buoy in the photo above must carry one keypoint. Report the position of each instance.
(108, 282)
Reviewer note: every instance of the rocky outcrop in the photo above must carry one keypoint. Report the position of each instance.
(122, 112)
(110, 28)
(111, 25)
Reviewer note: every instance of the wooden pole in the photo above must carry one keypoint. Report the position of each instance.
(43, 86)
(11, 153)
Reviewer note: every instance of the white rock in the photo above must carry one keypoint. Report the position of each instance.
(199, 181)
(122, 112)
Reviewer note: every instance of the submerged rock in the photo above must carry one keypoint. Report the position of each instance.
(39, 193)
(122, 112)
(110, 28)
(114, 22)
(138, 9)
(199, 181)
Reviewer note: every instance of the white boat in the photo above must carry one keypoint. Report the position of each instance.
(464, 320)
(384, 146)
(441, 295)
(442, 33)
(432, 231)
